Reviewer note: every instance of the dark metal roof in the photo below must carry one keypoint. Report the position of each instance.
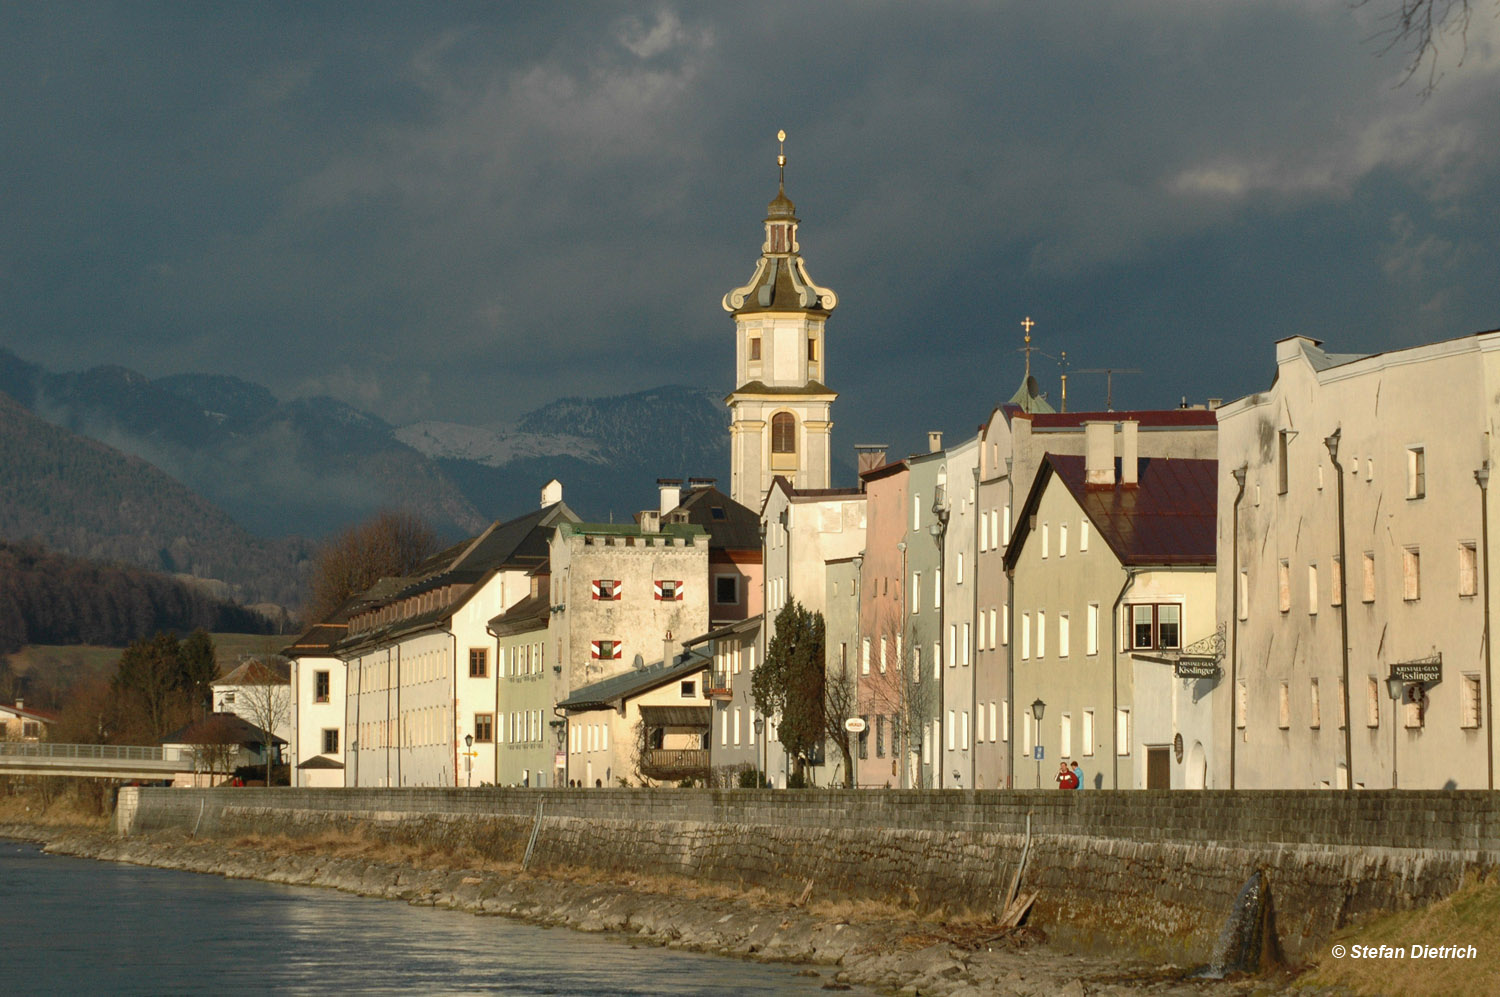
(762, 388)
(1169, 517)
(730, 526)
(220, 728)
(529, 614)
(677, 716)
(611, 692)
(321, 762)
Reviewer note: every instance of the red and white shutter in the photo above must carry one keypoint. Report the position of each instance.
(675, 586)
(605, 589)
(605, 650)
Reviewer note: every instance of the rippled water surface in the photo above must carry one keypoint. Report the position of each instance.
(77, 926)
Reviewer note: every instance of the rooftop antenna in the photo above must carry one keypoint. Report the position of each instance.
(1109, 381)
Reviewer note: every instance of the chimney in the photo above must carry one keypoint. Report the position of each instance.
(668, 649)
(1129, 453)
(551, 493)
(1098, 454)
(20, 703)
(671, 494)
(649, 521)
(934, 440)
(868, 456)
(1214, 403)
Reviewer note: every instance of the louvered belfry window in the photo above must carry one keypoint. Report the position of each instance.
(783, 433)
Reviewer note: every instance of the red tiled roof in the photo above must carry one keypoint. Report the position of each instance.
(1147, 418)
(1168, 517)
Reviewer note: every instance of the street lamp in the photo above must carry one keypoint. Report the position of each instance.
(1395, 687)
(469, 757)
(1037, 708)
(760, 737)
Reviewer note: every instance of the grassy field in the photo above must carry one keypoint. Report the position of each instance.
(75, 661)
(1469, 917)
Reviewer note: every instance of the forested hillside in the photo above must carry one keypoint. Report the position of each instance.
(80, 497)
(49, 598)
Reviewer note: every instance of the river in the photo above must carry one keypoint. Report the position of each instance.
(74, 926)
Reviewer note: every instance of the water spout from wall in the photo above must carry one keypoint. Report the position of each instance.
(1247, 942)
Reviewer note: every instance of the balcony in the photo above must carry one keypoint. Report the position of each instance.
(675, 763)
(718, 685)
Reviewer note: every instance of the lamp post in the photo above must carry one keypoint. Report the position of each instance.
(1037, 708)
(1482, 479)
(1395, 687)
(469, 757)
(759, 723)
(1332, 443)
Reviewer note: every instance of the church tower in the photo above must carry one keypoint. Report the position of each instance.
(779, 413)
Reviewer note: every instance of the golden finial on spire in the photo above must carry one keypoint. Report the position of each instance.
(1027, 324)
(781, 156)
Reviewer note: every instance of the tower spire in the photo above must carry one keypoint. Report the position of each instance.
(781, 161)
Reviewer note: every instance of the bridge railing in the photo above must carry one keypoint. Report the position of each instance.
(102, 752)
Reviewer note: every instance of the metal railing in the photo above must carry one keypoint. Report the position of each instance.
(103, 752)
(676, 759)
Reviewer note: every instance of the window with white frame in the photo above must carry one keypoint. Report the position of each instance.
(937, 659)
(1314, 705)
(979, 631)
(1091, 629)
(1372, 702)
(1155, 626)
(882, 654)
(1312, 589)
(984, 532)
(951, 727)
(1046, 535)
(1367, 593)
(916, 592)
(937, 587)
(1335, 581)
(1411, 574)
(1041, 633)
(864, 656)
(1241, 704)
(1469, 689)
(1004, 720)
(958, 577)
(1006, 533)
(1284, 707)
(1088, 734)
(1083, 536)
(1025, 636)
(1065, 736)
(1416, 473)
(952, 645)
(1468, 568)
(1062, 635)
(1005, 625)
(1122, 730)
(916, 511)
(1284, 585)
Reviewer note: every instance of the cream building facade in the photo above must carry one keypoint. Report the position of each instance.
(781, 408)
(1408, 432)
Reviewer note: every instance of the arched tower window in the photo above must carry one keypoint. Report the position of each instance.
(783, 433)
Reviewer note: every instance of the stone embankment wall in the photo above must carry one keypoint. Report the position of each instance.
(1154, 871)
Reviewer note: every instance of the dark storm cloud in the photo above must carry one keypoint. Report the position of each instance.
(458, 212)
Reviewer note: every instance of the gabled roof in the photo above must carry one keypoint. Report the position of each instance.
(220, 728)
(269, 670)
(27, 713)
(1170, 517)
(730, 526)
(611, 692)
(321, 762)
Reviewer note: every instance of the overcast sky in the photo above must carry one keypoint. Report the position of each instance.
(458, 212)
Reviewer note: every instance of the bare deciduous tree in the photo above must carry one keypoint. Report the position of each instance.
(265, 699)
(899, 691)
(388, 545)
(1416, 28)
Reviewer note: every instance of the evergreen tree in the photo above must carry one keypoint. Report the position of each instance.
(789, 684)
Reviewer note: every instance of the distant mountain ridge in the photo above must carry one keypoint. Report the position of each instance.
(312, 466)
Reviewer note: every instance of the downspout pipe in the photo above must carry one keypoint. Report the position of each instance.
(1114, 678)
(1482, 477)
(1234, 619)
(974, 671)
(1332, 443)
